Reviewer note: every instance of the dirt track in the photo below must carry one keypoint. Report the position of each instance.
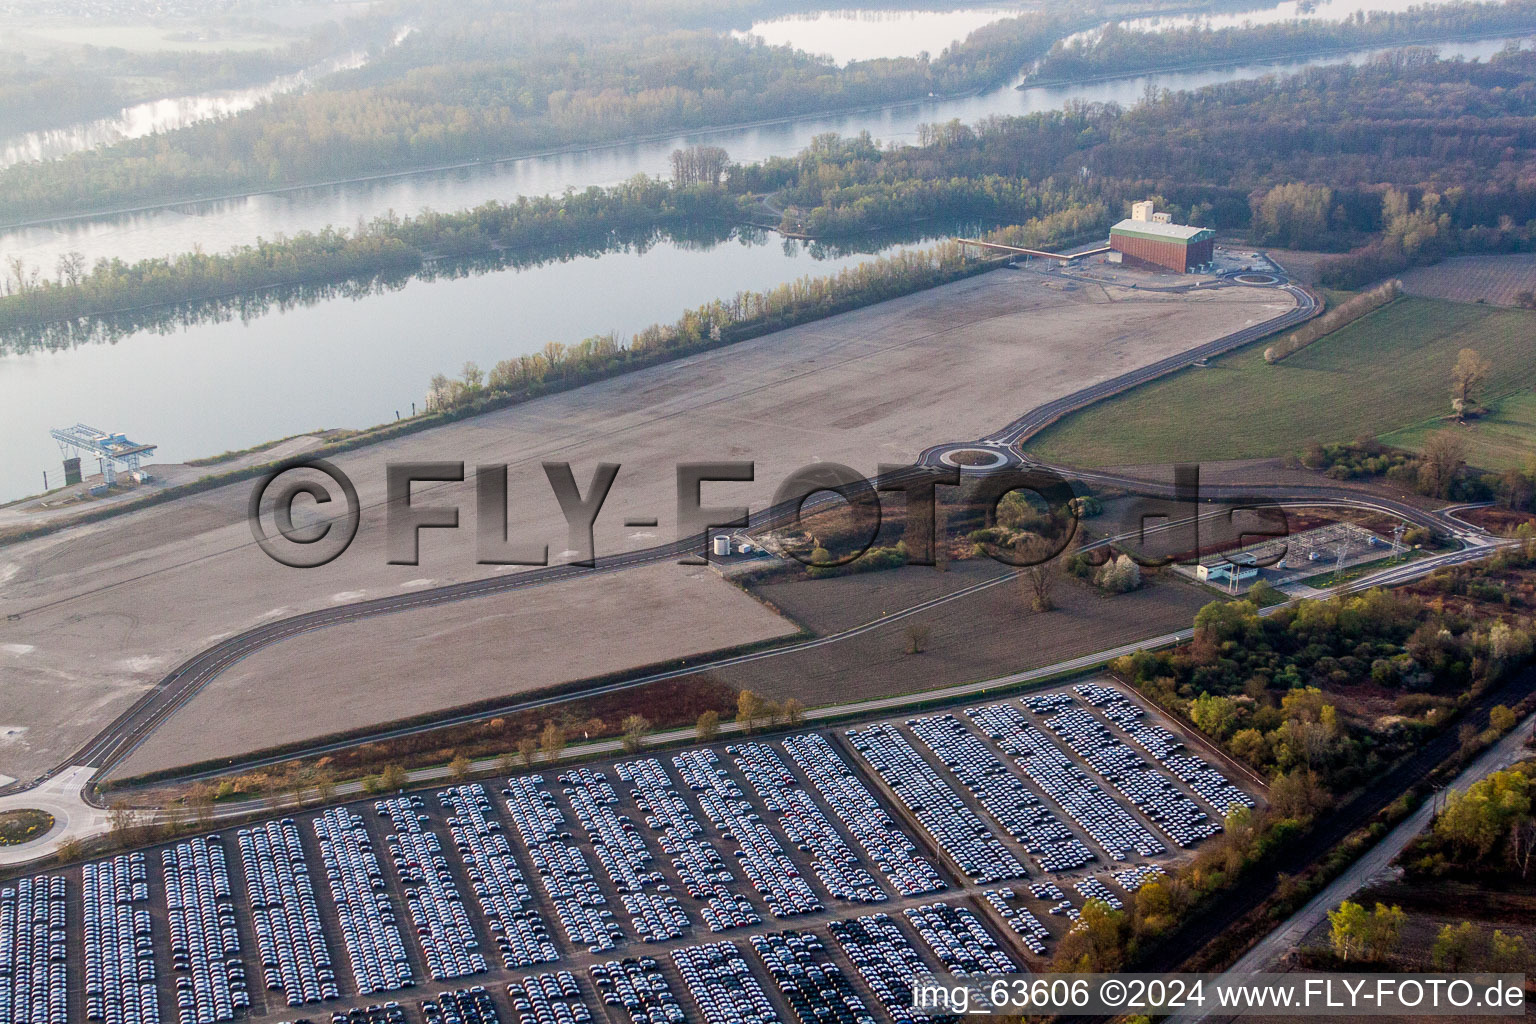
(107, 609)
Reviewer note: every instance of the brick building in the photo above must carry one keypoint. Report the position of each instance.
(1151, 239)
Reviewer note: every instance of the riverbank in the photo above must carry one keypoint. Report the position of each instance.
(623, 361)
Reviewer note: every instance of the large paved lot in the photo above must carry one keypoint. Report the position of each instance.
(106, 609)
(952, 821)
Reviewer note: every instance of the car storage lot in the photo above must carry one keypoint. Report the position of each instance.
(520, 880)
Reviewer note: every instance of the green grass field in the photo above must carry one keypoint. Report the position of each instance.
(1502, 438)
(1386, 374)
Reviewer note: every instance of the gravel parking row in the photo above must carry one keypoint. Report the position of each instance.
(285, 915)
(1021, 921)
(205, 940)
(1146, 788)
(980, 855)
(813, 985)
(722, 985)
(955, 934)
(461, 1006)
(700, 867)
(1064, 782)
(1132, 879)
(889, 964)
(1167, 749)
(627, 860)
(579, 903)
(552, 998)
(637, 988)
(34, 979)
(1093, 889)
(772, 874)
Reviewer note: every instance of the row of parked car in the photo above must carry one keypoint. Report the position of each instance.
(722, 985)
(553, 998)
(34, 951)
(699, 865)
(119, 945)
(883, 841)
(1093, 889)
(1021, 921)
(368, 926)
(655, 916)
(462, 1006)
(506, 903)
(889, 964)
(1066, 784)
(205, 938)
(938, 808)
(579, 903)
(810, 982)
(448, 941)
(762, 858)
(1146, 788)
(285, 914)
(840, 871)
(960, 941)
(1133, 878)
(636, 986)
(1020, 813)
(1167, 749)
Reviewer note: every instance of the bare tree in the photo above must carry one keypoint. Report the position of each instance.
(1443, 455)
(917, 638)
(1467, 378)
(1042, 570)
(1523, 844)
(552, 741)
(636, 728)
(71, 268)
(699, 165)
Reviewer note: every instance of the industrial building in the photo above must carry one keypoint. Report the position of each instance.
(1150, 238)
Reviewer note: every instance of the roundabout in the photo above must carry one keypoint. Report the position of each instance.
(965, 457)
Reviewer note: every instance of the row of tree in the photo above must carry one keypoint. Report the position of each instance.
(453, 97)
(1119, 50)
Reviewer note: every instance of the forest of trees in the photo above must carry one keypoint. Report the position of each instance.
(1120, 51)
(487, 84)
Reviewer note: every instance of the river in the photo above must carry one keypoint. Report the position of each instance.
(198, 387)
(207, 385)
(849, 35)
(221, 224)
(171, 113)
